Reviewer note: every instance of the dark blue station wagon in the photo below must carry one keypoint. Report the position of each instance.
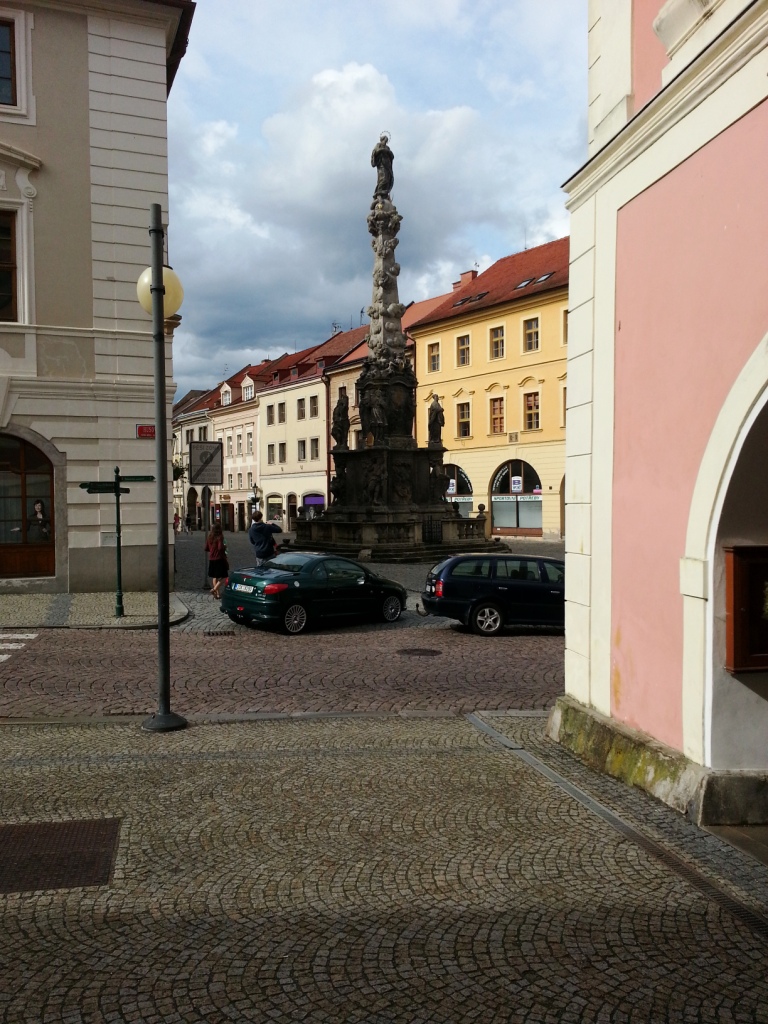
(488, 592)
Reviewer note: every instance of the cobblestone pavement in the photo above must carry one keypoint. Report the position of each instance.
(333, 840)
(385, 871)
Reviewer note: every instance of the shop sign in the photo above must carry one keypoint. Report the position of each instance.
(529, 497)
(517, 485)
(503, 497)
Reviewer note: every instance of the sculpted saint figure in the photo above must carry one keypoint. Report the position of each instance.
(436, 421)
(381, 159)
(340, 425)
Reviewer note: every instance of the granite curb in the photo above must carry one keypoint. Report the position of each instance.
(85, 611)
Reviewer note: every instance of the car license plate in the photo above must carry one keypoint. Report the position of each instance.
(430, 588)
(242, 587)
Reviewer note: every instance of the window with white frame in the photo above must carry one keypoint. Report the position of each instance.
(314, 448)
(463, 421)
(565, 326)
(229, 445)
(281, 452)
(249, 443)
(531, 410)
(229, 481)
(462, 350)
(250, 479)
(281, 412)
(247, 392)
(433, 357)
(239, 481)
(189, 436)
(301, 408)
(302, 450)
(497, 343)
(226, 397)
(313, 405)
(497, 415)
(270, 415)
(17, 102)
(239, 444)
(270, 454)
(531, 334)
(202, 433)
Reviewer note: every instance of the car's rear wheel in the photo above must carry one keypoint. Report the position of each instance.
(391, 608)
(295, 619)
(486, 619)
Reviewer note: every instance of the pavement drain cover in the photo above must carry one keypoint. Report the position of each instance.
(419, 652)
(57, 854)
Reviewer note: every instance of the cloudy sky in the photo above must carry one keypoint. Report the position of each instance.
(272, 119)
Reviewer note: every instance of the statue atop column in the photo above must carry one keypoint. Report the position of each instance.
(381, 159)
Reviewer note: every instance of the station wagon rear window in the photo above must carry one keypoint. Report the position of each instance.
(472, 567)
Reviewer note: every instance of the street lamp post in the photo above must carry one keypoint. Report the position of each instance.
(160, 293)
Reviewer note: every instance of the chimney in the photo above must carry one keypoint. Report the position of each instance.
(465, 278)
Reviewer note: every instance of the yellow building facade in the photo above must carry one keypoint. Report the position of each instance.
(494, 352)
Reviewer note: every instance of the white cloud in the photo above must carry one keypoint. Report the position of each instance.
(270, 162)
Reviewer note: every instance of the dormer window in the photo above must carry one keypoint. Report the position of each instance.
(226, 397)
(294, 371)
(247, 392)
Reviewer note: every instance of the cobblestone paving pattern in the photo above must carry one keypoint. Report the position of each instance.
(742, 876)
(91, 672)
(373, 871)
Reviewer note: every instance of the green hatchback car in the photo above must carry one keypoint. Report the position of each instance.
(295, 589)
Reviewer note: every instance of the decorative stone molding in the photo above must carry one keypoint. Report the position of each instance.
(678, 20)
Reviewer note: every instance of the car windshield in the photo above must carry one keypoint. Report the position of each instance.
(288, 562)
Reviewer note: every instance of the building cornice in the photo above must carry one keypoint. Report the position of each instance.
(744, 40)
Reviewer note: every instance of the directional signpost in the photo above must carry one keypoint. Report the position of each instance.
(105, 487)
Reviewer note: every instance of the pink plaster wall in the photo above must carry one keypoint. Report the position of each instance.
(648, 55)
(691, 306)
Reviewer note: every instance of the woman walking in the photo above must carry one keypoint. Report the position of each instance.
(218, 566)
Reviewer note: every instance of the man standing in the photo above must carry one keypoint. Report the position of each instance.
(260, 536)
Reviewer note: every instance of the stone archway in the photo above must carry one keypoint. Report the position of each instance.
(718, 707)
(190, 509)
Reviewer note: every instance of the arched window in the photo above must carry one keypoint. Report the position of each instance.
(459, 490)
(516, 499)
(26, 510)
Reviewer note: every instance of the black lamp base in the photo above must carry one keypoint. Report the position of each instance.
(164, 723)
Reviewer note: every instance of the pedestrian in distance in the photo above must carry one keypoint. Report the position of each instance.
(176, 522)
(188, 523)
(261, 536)
(218, 566)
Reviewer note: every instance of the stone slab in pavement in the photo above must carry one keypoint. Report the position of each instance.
(386, 871)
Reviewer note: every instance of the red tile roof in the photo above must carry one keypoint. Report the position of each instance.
(501, 282)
